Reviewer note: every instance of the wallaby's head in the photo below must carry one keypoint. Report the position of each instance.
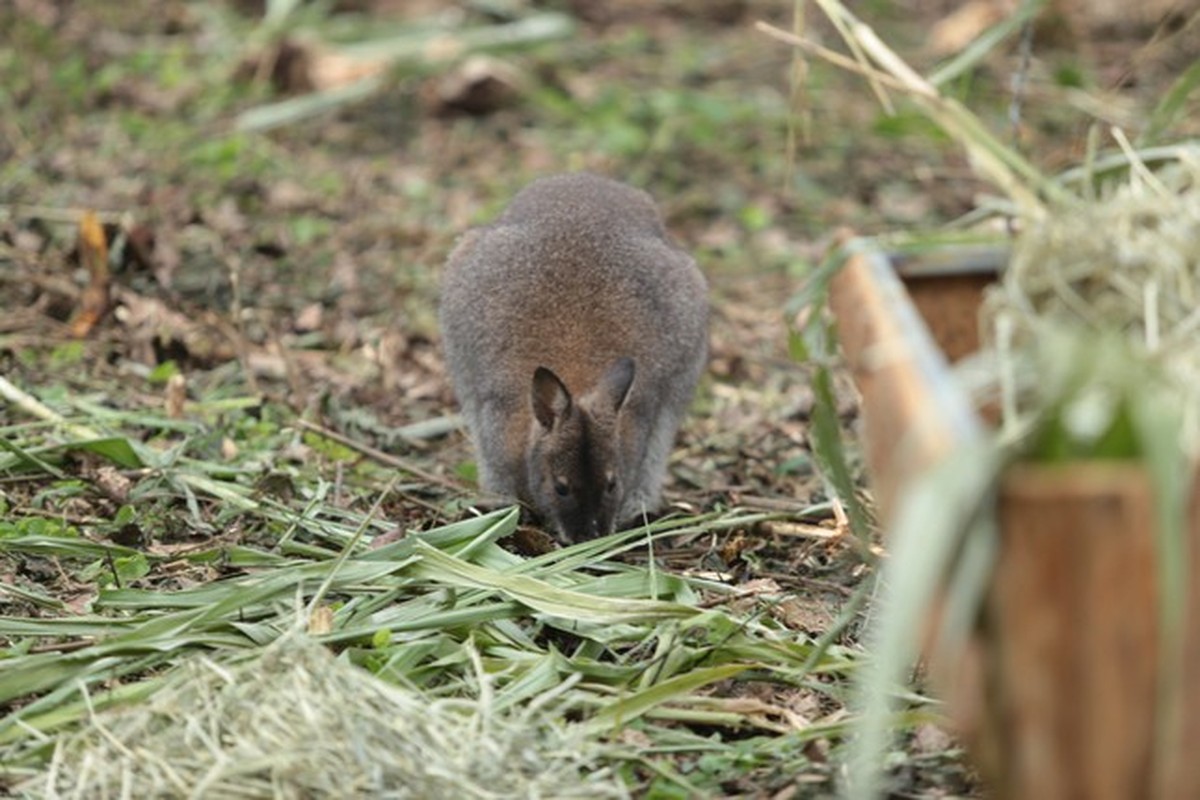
(574, 459)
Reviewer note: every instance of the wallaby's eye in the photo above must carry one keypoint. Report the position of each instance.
(561, 488)
(610, 485)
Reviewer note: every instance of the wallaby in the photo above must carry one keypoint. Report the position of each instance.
(575, 332)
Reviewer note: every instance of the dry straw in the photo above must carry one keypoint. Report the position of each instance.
(1128, 262)
(296, 722)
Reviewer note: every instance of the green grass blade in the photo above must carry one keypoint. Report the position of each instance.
(1172, 105)
(541, 596)
(623, 711)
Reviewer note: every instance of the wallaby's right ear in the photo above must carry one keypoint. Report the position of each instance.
(551, 400)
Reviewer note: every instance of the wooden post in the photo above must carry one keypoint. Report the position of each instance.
(1071, 634)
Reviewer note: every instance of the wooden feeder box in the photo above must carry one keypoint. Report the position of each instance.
(1057, 692)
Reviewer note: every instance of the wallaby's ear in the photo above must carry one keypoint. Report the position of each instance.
(551, 400)
(614, 386)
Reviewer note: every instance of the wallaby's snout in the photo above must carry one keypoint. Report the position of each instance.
(575, 333)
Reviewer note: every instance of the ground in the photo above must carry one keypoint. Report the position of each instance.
(271, 284)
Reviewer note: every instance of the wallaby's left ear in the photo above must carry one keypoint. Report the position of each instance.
(614, 386)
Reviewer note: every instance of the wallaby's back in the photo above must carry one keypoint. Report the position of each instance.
(576, 273)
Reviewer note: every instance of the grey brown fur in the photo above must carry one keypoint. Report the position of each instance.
(575, 332)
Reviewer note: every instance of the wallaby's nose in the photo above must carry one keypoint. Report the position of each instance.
(588, 528)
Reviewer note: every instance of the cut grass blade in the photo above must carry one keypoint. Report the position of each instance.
(541, 596)
(627, 709)
(814, 342)
(1172, 105)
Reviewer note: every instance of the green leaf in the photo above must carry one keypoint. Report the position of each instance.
(26, 457)
(116, 449)
(124, 516)
(815, 342)
(131, 567)
(825, 434)
(163, 373)
(627, 709)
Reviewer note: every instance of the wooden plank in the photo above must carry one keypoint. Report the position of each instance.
(946, 286)
(1071, 627)
(1183, 767)
(949, 305)
(913, 415)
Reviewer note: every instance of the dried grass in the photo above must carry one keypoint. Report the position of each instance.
(1128, 262)
(296, 722)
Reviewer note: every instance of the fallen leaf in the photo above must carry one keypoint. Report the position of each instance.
(958, 29)
(93, 254)
(481, 85)
(113, 483)
(321, 621)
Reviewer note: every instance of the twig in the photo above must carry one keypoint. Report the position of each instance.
(1019, 79)
(799, 529)
(63, 216)
(239, 341)
(840, 22)
(62, 647)
(34, 407)
(386, 459)
(832, 56)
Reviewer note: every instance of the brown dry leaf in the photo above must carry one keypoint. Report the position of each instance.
(309, 318)
(93, 254)
(299, 66)
(80, 603)
(394, 535)
(929, 738)
(810, 617)
(958, 29)
(480, 85)
(321, 621)
(759, 587)
(330, 70)
(150, 322)
(1094, 16)
(114, 484)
